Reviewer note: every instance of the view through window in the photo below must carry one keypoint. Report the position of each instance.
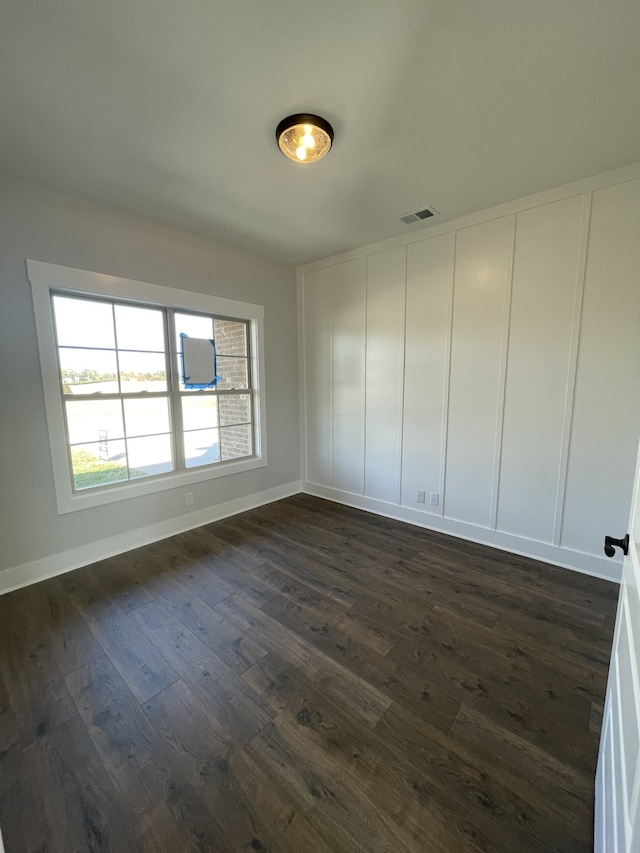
(128, 412)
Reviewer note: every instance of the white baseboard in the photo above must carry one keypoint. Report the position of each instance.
(58, 564)
(588, 564)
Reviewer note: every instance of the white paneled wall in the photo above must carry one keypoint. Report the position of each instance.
(384, 374)
(606, 417)
(426, 373)
(335, 369)
(545, 303)
(349, 340)
(318, 400)
(478, 345)
(494, 362)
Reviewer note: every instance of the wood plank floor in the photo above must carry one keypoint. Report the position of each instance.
(303, 677)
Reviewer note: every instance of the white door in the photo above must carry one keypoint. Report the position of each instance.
(617, 828)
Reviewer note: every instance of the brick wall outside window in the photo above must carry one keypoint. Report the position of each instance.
(234, 411)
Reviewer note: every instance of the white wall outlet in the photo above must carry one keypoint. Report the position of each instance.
(435, 498)
(420, 496)
(188, 498)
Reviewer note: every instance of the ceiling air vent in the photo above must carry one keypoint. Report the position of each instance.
(408, 218)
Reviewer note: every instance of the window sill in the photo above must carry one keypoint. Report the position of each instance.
(69, 501)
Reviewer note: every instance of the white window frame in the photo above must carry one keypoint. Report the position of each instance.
(46, 277)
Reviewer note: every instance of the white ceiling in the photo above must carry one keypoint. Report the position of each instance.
(168, 108)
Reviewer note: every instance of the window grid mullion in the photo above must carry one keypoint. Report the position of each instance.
(248, 345)
(119, 395)
(215, 392)
(129, 395)
(173, 387)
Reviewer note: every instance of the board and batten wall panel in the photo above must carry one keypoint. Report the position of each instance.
(349, 283)
(429, 295)
(512, 379)
(334, 335)
(607, 394)
(480, 297)
(546, 284)
(386, 274)
(318, 360)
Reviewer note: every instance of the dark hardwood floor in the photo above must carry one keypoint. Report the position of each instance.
(303, 677)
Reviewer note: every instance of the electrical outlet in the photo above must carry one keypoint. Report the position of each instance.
(188, 498)
(435, 499)
(420, 496)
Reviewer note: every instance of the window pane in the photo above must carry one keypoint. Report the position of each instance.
(230, 337)
(198, 362)
(139, 328)
(234, 409)
(142, 371)
(93, 466)
(194, 326)
(199, 412)
(149, 455)
(94, 420)
(232, 373)
(235, 441)
(86, 371)
(83, 322)
(146, 416)
(201, 447)
(188, 390)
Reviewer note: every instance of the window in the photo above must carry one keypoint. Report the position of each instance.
(126, 417)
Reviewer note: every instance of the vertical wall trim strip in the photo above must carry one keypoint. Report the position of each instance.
(502, 381)
(366, 373)
(576, 327)
(302, 373)
(404, 374)
(447, 382)
(333, 393)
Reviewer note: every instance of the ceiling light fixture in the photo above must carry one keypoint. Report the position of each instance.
(304, 138)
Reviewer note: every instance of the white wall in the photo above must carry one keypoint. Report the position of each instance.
(43, 224)
(494, 361)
